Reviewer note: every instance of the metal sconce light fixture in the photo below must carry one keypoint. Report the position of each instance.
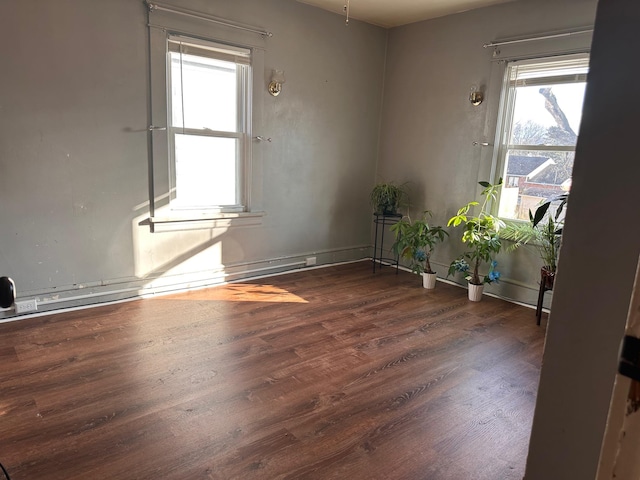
(277, 79)
(475, 97)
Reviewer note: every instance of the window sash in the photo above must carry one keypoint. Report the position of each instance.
(232, 206)
(241, 57)
(239, 204)
(243, 88)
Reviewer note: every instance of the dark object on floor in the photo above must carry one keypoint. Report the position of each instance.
(7, 292)
(6, 474)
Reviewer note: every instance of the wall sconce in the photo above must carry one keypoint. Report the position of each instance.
(475, 97)
(277, 79)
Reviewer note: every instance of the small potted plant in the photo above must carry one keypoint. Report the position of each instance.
(386, 198)
(415, 241)
(480, 234)
(544, 232)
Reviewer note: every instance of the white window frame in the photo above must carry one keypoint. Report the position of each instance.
(162, 217)
(243, 128)
(507, 107)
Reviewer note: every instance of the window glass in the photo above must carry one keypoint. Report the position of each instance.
(542, 111)
(203, 93)
(205, 171)
(536, 122)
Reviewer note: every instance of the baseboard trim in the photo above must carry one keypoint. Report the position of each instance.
(105, 293)
(508, 289)
(86, 296)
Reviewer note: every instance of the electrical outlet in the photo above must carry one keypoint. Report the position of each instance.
(311, 261)
(25, 306)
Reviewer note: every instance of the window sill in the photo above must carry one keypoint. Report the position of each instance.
(204, 222)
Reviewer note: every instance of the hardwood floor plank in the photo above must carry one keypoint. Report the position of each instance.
(330, 374)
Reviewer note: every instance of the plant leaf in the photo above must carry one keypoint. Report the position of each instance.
(541, 211)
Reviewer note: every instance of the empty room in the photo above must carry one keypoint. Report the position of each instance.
(320, 239)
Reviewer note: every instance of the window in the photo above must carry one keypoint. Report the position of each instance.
(205, 170)
(208, 124)
(541, 114)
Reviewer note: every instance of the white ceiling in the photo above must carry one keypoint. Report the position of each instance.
(393, 13)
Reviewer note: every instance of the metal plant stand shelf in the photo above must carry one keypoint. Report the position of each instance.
(546, 284)
(378, 252)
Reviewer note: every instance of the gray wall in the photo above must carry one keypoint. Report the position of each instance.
(74, 161)
(429, 125)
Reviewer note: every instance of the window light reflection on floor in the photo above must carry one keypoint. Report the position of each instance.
(242, 292)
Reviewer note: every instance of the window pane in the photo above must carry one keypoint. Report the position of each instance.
(547, 115)
(531, 176)
(204, 93)
(205, 171)
(542, 116)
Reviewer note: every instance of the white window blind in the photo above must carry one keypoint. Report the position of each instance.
(193, 46)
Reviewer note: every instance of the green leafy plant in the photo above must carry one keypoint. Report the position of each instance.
(544, 231)
(480, 234)
(386, 198)
(415, 241)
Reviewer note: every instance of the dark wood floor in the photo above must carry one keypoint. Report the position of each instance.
(332, 373)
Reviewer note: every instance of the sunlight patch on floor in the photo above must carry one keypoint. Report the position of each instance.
(242, 292)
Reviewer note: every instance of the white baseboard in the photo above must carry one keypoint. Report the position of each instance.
(99, 293)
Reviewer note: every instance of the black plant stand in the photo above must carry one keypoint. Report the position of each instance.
(384, 221)
(546, 283)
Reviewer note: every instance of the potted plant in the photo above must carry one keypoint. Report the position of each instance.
(480, 234)
(544, 232)
(415, 241)
(386, 198)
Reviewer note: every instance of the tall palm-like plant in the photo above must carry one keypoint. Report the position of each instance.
(544, 231)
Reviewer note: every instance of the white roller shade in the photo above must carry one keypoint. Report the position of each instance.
(218, 51)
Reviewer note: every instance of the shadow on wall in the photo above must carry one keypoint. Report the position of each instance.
(179, 256)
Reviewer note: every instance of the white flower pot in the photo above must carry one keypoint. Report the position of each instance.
(429, 280)
(475, 292)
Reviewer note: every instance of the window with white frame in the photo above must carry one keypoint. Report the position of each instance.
(540, 118)
(208, 107)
